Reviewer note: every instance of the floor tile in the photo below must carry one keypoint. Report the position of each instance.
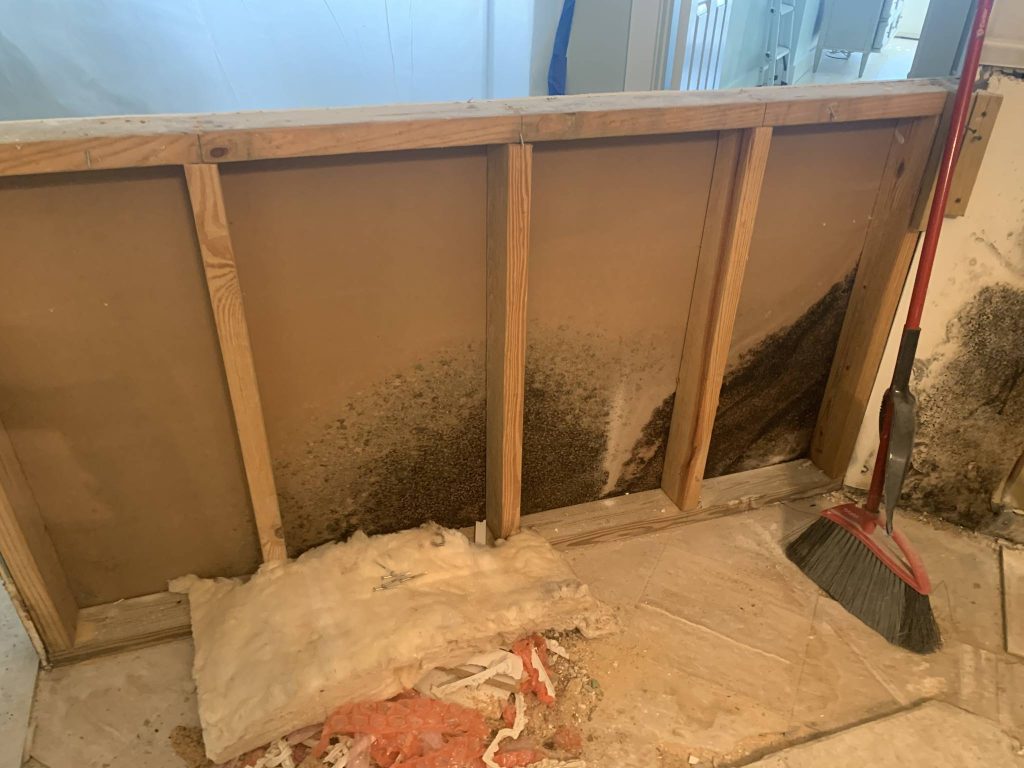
(934, 734)
(18, 666)
(115, 711)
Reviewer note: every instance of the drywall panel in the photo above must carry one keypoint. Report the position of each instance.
(111, 384)
(968, 373)
(819, 190)
(363, 279)
(615, 234)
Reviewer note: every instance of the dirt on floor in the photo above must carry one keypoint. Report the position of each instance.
(558, 729)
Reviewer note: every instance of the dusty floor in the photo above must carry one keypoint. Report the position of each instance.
(727, 655)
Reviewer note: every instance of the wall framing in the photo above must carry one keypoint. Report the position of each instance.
(744, 122)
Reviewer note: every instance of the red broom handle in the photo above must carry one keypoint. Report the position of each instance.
(954, 140)
(950, 152)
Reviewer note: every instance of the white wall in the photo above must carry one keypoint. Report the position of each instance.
(912, 18)
(95, 57)
(743, 50)
(1004, 45)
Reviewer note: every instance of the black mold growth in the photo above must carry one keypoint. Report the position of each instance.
(971, 411)
(642, 470)
(565, 426)
(770, 400)
(408, 450)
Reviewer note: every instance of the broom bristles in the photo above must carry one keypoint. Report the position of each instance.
(852, 575)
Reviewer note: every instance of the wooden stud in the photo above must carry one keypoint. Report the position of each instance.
(885, 260)
(729, 225)
(984, 112)
(509, 174)
(226, 297)
(30, 556)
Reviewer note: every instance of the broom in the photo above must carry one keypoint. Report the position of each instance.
(881, 579)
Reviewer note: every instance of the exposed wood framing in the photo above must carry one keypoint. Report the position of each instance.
(984, 111)
(127, 624)
(638, 514)
(744, 120)
(145, 620)
(509, 173)
(226, 296)
(48, 146)
(30, 557)
(885, 260)
(728, 227)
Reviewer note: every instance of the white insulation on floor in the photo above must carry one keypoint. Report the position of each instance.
(300, 638)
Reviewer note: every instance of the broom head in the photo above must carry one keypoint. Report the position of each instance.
(884, 586)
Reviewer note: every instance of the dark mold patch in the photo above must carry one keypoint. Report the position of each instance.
(566, 412)
(970, 410)
(408, 450)
(770, 400)
(642, 471)
(569, 418)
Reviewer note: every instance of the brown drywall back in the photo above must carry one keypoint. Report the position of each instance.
(111, 384)
(615, 235)
(363, 280)
(819, 190)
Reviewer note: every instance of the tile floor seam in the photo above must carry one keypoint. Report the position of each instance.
(893, 691)
(654, 569)
(710, 631)
(803, 663)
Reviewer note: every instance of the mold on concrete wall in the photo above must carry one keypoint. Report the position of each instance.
(770, 400)
(970, 360)
(971, 408)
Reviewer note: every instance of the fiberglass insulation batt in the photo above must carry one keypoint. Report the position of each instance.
(300, 638)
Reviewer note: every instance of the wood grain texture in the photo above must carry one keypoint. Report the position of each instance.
(509, 175)
(1013, 599)
(98, 153)
(47, 146)
(729, 226)
(885, 260)
(226, 297)
(127, 624)
(837, 104)
(639, 514)
(984, 111)
(28, 552)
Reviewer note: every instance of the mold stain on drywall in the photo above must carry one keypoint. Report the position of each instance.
(770, 399)
(407, 450)
(575, 413)
(970, 409)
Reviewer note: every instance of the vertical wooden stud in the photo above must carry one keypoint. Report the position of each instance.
(229, 315)
(509, 173)
(739, 169)
(884, 262)
(30, 557)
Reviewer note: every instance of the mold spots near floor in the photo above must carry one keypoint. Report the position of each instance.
(970, 409)
(596, 416)
(770, 400)
(407, 450)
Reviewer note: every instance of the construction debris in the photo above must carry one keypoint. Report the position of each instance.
(516, 721)
(328, 638)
